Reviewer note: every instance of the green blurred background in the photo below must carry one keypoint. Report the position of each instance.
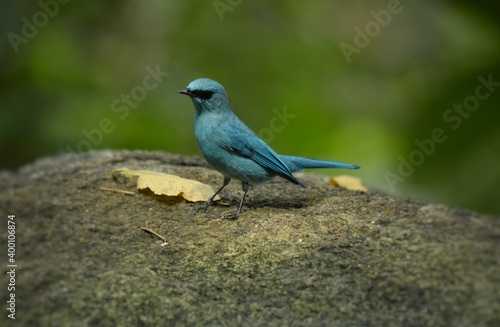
(71, 69)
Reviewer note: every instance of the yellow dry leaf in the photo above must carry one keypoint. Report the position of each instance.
(348, 182)
(169, 185)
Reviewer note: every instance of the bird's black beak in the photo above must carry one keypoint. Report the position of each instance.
(186, 92)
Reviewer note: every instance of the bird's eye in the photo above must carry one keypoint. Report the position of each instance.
(205, 95)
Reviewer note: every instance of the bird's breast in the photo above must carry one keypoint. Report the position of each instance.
(210, 137)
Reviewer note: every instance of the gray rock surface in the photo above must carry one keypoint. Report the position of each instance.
(320, 256)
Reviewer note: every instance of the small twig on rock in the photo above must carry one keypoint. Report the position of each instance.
(156, 234)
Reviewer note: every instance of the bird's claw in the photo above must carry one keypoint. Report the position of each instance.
(202, 207)
(232, 216)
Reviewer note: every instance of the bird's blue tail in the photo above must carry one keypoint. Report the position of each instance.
(298, 163)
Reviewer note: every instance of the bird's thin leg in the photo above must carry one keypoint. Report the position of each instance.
(235, 215)
(206, 204)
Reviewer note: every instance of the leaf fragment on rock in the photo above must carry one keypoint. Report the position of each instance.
(168, 185)
(348, 182)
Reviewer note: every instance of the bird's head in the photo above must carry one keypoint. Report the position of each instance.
(207, 95)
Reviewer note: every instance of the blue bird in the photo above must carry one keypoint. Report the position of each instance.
(233, 149)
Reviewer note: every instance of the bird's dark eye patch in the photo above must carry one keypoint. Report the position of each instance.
(202, 94)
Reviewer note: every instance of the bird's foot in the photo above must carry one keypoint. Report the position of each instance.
(235, 215)
(232, 216)
(202, 207)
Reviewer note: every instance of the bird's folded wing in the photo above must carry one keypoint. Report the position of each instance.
(247, 144)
